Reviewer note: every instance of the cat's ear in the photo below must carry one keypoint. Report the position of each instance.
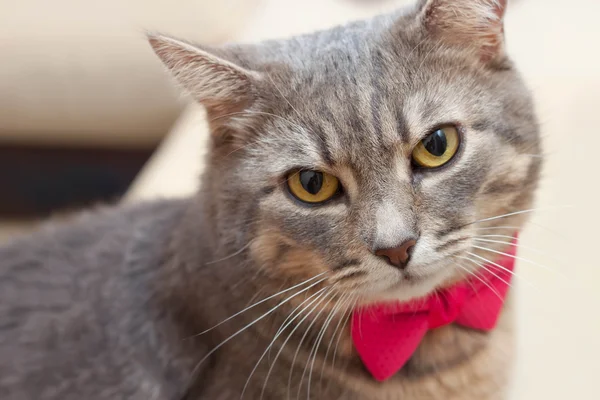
(477, 24)
(221, 86)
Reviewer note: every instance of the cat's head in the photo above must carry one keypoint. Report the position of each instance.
(378, 152)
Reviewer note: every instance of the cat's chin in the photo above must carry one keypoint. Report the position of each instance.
(404, 290)
(411, 287)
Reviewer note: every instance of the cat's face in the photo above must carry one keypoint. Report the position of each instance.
(372, 154)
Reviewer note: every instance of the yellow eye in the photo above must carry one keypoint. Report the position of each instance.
(313, 186)
(438, 148)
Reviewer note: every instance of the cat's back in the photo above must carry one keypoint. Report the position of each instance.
(62, 291)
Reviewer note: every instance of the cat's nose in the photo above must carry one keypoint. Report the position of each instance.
(398, 256)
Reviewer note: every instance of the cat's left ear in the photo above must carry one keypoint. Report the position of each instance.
(477, 24)
(226, 89)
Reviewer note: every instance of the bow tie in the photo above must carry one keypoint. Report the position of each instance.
(386, 335)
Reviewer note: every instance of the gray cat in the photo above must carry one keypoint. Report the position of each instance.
(361, 164)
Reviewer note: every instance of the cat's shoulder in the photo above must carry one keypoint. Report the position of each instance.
(67, 259)
(64, 295)
(85, 240)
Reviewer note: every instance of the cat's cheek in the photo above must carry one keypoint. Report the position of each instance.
(281, 258)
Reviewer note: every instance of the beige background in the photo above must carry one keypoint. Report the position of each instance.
(79, 72)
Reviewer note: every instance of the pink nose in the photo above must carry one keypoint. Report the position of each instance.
(398, 256)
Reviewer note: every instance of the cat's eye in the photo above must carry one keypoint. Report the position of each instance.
(313, 186)
(437, 148)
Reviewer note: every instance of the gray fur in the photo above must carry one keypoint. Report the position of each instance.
(109, 306)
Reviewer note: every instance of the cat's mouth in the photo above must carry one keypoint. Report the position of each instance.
(414, 282)
(414, 279)
(409, 286)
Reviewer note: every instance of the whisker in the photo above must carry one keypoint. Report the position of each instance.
(496, 236)
(299, 347)
(287, 340)
(196, 368)
(515, 213)
(466, 275)
(485, 260)
(534, 155)
(318, 342)
(515, 257)
(318, 295)
(465, 269)
(517, 228)
(486, 228)
(291, 316)
(518, 245)
(350, 308)
(346, 304)
(485, 268)
(231, 255)
(481, 279)
(262, 301)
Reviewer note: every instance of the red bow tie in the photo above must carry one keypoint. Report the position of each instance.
(387, 335)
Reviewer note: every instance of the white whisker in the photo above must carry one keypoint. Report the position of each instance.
(291, 316)
(487, 228)
(515, 257)
(480, 278)
(318, 342)
(346, 304)
(318, 295)
(261, 302)
(496, 236)
(516, 213)
(350, 308)
(517, 228)
(287, 340)
(195, 370)
(240, 251)
(534, 155)
(518, 245)
(485, 260)
(298, 350)
(485, 268)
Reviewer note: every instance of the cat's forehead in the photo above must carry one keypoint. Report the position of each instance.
(369, 103)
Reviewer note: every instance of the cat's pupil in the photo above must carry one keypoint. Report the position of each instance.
(312, 181)
(436, 143)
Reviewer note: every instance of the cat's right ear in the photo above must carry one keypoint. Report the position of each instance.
(478, 24)
(222, 87)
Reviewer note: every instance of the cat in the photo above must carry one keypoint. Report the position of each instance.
(369, 163)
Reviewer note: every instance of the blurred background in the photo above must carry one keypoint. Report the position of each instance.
(88, 115)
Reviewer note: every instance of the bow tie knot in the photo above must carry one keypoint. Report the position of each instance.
(446, 307)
